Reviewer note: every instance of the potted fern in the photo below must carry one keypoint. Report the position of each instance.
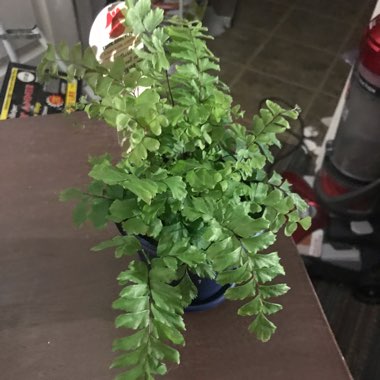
(190, 192)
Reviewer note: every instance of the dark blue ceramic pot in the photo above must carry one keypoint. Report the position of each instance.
(210, 294)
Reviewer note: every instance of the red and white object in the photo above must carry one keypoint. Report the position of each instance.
(356, 148)
(110, 37)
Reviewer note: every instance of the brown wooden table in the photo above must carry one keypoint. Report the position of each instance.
(56, 321)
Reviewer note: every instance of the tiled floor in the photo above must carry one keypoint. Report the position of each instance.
(291, 49)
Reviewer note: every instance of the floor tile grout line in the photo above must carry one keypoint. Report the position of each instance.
(280, 79)
(330, 94)
(261, 46)
(269, 75)
(326, 16)
(304, 44)
(319, 89)
(296, 42)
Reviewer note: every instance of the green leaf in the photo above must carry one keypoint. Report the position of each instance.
(271, 308)
(240, 292)
(129, 247)
(259, 242)
(191, 256)
(134, 19)
(99, 213)
(170, 262)
(220, 247)
(114, 192)
(273, 197)
(108, 174)
(153, 19)
(261, 191)
(117, 68)
(175, 114)
(293, 114)
(142, 7)
(204, 205)
(176, 186)
(290, 228)
(166, 297)
(188, 289)
(234, 275)
(115, 242)
(144, 188)
(283, 206)
(137, 272)
(50, 53)
(128, 359)
(134, 321)
(266, 260)
(135, 373)
(299, 202)
(63, 51)
(245, 226)
(166, 352)
(169, 319)
(253, 307)
(203, 179)
(262, 328)
(197, 114)
(278, 223)
(148, 98)
(160, 273)
(274, 107)
(258, 125)
(224, 254)
(121, 210)
(305, 222)
(268, 274)
(293, 216)
(138, 154)
(103, 86)
(212, 232)
(80, 213)
(92, 80)
(130, 342)
(131, 304)
(267, 153)
(125, 245)
(89, 58)
(155, 127)
(267, 291)
(156, 368)
(122, 121)
(270, 214)
(69, 194)
(170, 333)
(96, 188)
(151, 144)
(76, 53)
(133, 291)
(135, 226)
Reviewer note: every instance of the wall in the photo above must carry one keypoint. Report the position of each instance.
(16, 14)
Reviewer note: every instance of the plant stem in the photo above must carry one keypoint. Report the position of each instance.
(146, 257)
(169, 88)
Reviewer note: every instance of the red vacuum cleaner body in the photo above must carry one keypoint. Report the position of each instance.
(346, 198)
(348, 182)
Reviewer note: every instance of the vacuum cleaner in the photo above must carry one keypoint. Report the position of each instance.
(345, 200)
